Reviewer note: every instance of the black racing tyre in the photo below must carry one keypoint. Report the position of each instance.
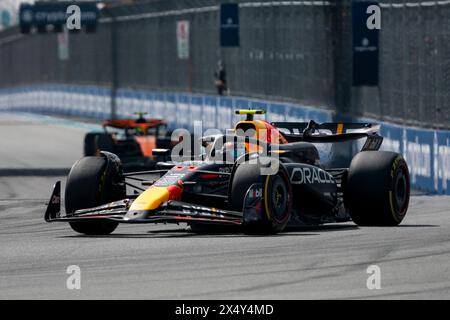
(277, 197)
(377, 188)
(104, 142)
(90, 144)
(86, 187)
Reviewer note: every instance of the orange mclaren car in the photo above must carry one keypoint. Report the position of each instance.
(133, 140)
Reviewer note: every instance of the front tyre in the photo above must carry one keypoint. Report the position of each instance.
(90, 185)
(277, 197)
(378, 188)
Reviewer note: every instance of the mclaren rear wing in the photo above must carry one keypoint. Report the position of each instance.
(329, 132)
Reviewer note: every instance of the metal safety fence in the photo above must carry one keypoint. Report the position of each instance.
(292, 51)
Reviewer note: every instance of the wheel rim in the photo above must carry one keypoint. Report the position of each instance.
(401, 190)
(279, 198)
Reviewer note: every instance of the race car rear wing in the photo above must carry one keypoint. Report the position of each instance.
(329, 132)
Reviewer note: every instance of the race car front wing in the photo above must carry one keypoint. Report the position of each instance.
(169, 212)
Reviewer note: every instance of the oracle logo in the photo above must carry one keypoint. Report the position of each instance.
(306, 175)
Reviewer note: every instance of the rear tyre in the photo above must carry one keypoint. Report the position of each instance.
(88, 185)
(378, 188)
(277, 197)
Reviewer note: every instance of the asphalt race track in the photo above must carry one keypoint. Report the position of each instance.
(170, 262)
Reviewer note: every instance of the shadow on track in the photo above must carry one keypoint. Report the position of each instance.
(223, 232)
(185, 234)
(230, 232)
(418, 226)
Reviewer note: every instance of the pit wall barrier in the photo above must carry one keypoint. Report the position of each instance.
(427, 151)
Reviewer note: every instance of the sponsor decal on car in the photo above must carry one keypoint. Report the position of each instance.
(56, 199)
(204, 211)
(169, 179)
(254, 193)
(307, 175)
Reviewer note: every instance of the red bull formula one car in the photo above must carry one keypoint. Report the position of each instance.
(261, 177)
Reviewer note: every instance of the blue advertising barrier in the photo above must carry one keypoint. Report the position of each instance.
(426, 151)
